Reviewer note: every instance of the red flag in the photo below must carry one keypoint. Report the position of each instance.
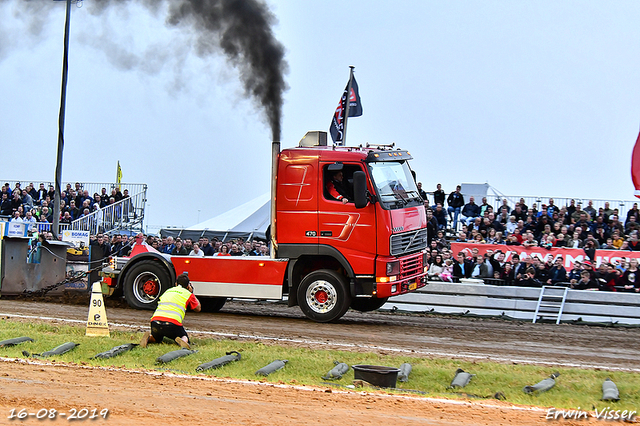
(355, 110)
(635, 167)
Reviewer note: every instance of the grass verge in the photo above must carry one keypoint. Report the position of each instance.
(575, 388)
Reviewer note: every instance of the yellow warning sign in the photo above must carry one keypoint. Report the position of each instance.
(97, 322)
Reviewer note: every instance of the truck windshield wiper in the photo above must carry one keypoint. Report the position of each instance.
(416, 196)
(389, 195)
(397, 198)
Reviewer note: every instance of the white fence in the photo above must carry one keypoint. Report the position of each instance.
(518, 303)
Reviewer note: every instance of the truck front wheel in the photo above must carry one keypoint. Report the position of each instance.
(323, 295)
(144, 284)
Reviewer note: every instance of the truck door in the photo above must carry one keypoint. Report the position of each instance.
(297, 204)
(340, 225)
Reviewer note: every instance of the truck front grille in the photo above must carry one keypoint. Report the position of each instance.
(411, 266)
(408, 242)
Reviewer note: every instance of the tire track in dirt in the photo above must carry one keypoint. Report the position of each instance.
(451, 337)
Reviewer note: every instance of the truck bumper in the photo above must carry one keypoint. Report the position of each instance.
(410, 276)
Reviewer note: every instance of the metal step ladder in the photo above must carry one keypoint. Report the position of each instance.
(551, 303)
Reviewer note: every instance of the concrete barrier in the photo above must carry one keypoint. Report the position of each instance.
(17, 275)
(518, 303)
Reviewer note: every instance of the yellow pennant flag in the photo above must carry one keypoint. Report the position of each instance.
(119, 174)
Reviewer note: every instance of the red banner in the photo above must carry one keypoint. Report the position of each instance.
(569, 255)
(635, 167)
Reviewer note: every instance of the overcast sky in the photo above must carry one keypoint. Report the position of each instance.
(533, 97)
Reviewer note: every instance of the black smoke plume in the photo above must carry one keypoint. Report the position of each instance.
(241, 29)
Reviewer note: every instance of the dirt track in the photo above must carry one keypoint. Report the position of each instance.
(163, 399)
(499, 340)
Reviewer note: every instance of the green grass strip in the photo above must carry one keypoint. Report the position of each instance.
(575, 388)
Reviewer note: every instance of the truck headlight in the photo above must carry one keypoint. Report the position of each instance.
(393, 268)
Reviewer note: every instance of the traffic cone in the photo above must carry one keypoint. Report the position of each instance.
(97, 321)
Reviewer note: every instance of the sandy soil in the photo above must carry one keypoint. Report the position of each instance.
(148, 398)
(144, 399)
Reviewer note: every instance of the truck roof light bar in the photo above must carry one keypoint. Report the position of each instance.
(389, 156)
(381, 147)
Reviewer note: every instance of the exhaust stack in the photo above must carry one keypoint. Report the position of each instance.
(275, 154)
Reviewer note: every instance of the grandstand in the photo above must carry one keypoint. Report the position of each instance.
(124, 215)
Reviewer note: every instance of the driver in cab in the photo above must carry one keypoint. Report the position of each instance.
(337, 188)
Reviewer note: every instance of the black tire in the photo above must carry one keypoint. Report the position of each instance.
(367, 304)
(117, 293)
(144, 284)
(323, 295)
(212, 304)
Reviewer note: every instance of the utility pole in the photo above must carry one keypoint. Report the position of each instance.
(63, 100)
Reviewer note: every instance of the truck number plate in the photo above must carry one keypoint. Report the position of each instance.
(413, 285)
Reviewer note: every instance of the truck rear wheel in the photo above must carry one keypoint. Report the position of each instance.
(212, 304)
(144, 284)
(367, 304)
(323, 295)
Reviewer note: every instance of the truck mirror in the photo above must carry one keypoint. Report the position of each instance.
(360, 189)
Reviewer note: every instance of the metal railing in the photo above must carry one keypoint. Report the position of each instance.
(517, 302)
(127, 213)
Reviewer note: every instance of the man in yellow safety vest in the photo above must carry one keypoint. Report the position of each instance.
(167, 319)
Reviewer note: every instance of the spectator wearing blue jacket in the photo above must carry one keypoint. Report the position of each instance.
(440, 216)
(455, 201)
(557, 273)
(470, 211)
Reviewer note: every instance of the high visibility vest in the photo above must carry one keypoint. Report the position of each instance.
(173, 304)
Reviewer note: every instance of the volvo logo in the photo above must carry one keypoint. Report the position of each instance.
(411, 241)
(398, 229)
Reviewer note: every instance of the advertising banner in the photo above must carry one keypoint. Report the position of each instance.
(77, 258)
(569, 255)
(15, 229)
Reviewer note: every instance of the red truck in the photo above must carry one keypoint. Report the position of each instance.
(327, 254)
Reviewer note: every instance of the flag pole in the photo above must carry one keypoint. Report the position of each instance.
(346, 108)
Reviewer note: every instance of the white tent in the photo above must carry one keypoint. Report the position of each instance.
(248, 220)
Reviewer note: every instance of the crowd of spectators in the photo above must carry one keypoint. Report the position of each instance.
(120, 245)
(35, 206)
(103, 246)
(545, 226)
(205, 247)
(531, 271)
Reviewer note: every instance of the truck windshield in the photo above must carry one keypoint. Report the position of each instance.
(394, 184)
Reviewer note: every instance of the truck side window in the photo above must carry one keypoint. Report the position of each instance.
(338, 184)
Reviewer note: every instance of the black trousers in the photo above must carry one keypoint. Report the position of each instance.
(162, 329)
